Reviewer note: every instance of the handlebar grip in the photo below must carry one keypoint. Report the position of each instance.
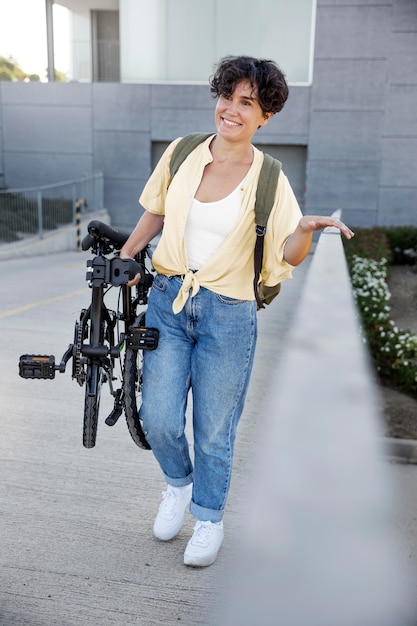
(87, 242)
(99, 229)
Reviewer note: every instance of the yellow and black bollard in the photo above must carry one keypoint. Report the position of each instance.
(78, 204)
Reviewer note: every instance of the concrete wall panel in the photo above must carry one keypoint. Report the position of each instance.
(363, 218)
(121, 107)
(399, 165)
(56, 94)
(121, 155)
(397, 206)
(48, 129)
(353, 84)
(345, 135)
(173, 96)
(291, 125)
(29, 170)
(122, 201)
(402, 57)
(404, 15)
(401, 110)
(343, 185)
(353, 30)
(167, 124)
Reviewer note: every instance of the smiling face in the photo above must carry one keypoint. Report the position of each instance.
(239, 115)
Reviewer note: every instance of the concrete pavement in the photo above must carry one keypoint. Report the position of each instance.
(76, 524)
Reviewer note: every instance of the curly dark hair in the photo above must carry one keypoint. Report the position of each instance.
(264, 76)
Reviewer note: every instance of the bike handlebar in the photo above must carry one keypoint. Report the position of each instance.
(100, 230)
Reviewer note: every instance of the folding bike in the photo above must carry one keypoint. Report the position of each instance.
(107, 341)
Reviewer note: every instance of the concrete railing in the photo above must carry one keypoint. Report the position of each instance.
(318, 547)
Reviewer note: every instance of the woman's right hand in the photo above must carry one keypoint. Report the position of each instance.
(134, 281)
(145, 230)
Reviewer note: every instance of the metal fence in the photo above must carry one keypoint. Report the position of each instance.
(36, 210)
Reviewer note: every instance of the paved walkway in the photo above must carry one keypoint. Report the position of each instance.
(76, 524)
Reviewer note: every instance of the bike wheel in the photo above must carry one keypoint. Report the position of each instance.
(97, 331)
(132, 392)
(92, 404)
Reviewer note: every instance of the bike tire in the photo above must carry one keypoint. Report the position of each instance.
(97, 332)
(91, 406)
(132, 386)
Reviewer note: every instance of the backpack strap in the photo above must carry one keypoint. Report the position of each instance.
(265, 196)
(266, 190)
(183, 148)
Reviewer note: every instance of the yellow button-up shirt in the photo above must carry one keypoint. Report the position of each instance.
(230, 271)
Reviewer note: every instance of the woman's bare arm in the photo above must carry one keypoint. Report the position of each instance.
(145, 230)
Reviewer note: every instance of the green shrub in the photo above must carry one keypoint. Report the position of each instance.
(369, 243)
(393, 351)
(370, 254)
(403, 244)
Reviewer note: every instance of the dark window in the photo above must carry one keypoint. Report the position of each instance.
(106, 46)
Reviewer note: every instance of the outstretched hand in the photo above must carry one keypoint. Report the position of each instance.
(311, 223)
(298, 245)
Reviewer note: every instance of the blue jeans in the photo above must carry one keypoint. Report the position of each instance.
(208, 347)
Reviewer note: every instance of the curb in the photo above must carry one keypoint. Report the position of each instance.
(400, 449)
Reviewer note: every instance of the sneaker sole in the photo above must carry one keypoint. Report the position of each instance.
(169, 536)
(191, 561)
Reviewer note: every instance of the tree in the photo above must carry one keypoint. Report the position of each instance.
(60, 77)
(11, 70)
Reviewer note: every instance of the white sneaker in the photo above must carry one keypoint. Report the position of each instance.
(204, 545)
(171, 512)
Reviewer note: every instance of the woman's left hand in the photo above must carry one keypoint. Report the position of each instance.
(298, 245)
(311, 223)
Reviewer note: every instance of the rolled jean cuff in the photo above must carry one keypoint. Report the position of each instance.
(205, 515)
(179, 482)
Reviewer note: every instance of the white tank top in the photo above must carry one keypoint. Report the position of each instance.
(207, 226)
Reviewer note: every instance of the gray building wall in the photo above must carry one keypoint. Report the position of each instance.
(363, 116)
(358, 121)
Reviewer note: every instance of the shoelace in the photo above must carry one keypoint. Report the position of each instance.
(169, 499)
(202, 532)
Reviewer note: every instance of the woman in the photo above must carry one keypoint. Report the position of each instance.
(202, 300)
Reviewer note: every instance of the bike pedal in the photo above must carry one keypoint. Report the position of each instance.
(114, 416)
(37, 366)
(141, 338)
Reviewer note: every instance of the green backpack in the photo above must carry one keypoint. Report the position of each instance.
(265, 196)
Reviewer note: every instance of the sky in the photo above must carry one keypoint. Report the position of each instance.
(23, 35)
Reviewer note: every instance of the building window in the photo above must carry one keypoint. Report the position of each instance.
(180, 40)
(105, 46)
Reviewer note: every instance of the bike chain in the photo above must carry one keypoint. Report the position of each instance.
(78, 370)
